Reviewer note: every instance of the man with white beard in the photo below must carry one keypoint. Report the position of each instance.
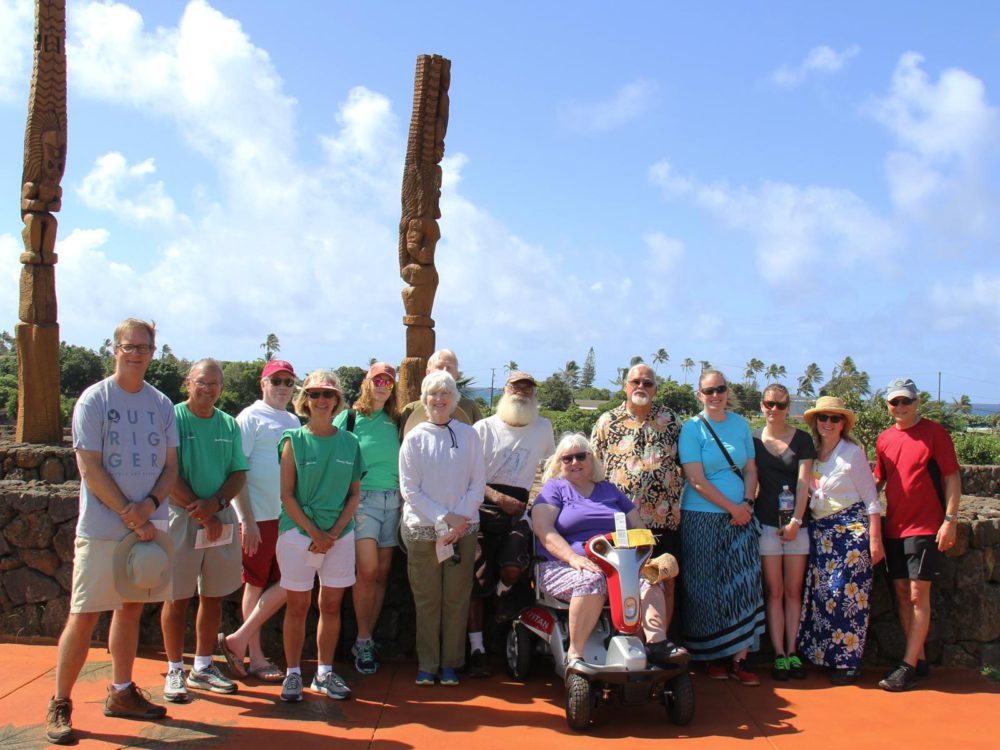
(637, 442)
(515, 440)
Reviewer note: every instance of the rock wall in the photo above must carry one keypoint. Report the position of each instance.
(38, 508)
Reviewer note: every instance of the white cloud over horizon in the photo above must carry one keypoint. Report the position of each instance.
(821, 60)
(628, 103)
(121, 188)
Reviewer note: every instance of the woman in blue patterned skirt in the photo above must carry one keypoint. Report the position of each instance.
(846, 544)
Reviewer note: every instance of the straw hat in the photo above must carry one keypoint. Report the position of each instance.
(143, 570)
(830, 405)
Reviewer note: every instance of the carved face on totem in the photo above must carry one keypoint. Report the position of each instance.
(53, 156)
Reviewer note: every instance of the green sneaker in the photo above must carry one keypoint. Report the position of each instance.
(780, 669)
(795, 668)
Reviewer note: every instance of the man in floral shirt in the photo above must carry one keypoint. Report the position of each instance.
(637, 442)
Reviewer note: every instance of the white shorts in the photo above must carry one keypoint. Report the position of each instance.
(771, 542)
(336, 571)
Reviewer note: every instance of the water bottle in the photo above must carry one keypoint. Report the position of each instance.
(786, 506)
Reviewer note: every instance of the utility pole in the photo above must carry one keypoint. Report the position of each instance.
(939, 385)
(493, 374)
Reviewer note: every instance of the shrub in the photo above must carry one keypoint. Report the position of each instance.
(978, 449)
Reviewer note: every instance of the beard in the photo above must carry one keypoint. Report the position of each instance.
(517, 411)
(640, 399)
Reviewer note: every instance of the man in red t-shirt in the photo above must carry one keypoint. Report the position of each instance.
(915, 463)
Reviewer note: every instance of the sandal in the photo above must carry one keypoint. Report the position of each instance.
(268, 672)
(234, 663)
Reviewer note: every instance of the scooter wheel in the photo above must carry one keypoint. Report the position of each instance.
(518, 652)
(579, 702)
(679, 698)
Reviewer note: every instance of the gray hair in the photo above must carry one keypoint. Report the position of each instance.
(568, 442)
(205, 363)
(438, 380)
(436, 356)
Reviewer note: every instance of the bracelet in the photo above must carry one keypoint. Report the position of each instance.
(223, 502)
(155, 499)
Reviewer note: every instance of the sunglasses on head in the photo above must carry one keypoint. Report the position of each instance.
(645, 383)
(716, 389)
(321, 394)
(831, 418)
(383, 382)
(277, 382)
(571, 457)
(902, 401)
(775, 404)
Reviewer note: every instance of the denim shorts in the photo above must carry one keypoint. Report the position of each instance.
(377, 517)
(771, 542)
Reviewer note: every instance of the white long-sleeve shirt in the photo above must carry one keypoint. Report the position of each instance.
(441, 471)
(842, 480)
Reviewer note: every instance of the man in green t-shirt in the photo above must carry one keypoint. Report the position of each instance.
(204, 529)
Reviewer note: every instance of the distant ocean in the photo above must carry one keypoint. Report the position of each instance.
(985, 410)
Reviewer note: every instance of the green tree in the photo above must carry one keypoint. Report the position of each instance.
(510, 367)
(350, 381)
(846, 379)
(744, 398)
(753, 369)
(571, 374)
(271, 346)
(79, 367)
(167, 376)
(589, 371)
(775, 373)
(660, 358)
(240, 385)
(554, 394)
(963, 404)
(687, 365)
(812, 377)
(678, 397)
(593, 394)
(7, 343)
(636, 360)
(705, 365)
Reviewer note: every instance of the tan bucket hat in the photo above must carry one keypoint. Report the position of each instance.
(143, 571)
(830, 405)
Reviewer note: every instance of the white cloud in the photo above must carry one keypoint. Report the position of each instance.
(970, 304)
(115, 186)
(16, 24)
(662, 174)
(820, 60)
(663, 253)
(628, 103)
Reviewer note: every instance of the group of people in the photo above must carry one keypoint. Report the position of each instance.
(183, 499)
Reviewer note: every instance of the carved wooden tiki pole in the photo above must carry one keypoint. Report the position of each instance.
(37, 333)
(418, 228)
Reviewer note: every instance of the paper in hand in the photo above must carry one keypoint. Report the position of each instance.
(226, 537)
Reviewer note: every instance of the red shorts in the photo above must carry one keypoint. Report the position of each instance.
(261, 568)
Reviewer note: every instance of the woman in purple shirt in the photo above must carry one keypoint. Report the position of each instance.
(575, 504)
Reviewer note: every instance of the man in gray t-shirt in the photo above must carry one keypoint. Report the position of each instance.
(125, 440)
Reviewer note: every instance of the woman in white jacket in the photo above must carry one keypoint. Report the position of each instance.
(442, 480)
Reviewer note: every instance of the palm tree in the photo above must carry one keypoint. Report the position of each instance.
(687, 365)
(963, 404)
(166, 352)
(754, 367)
(775, 373)
(511, 367)
(271, 346)
(571, 374)
(107, 349)
(636, 360)
(660, 358)
(812, 377)
(705, 364)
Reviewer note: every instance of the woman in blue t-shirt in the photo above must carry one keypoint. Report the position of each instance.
(723, 606)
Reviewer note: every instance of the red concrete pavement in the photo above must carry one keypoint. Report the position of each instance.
(953, 709)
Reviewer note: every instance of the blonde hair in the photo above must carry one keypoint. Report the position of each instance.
(134, 324)
(569, 441)
(301, 401)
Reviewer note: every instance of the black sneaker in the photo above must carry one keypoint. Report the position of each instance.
(903, 677)
(844, 676)
(780, 670)
(923, 668)
(507, 607)
(478, 665)
(58, 721)
(665, 654)
(796, 670)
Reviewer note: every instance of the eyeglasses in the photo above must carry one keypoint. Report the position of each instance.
(207, 384)
(383, 382)
(716, 389)
(522, 387)
(137, 348)
(636, 382)
(902, 401)
(313, 395)
(831, 418)
(775, 404)
(278, 382)
(571, 457)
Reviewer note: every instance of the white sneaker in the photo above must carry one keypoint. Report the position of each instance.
(174, 689)
(210, 679)
(291, 688)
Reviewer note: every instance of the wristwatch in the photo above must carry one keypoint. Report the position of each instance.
(796, 521)
(155, 499)
(223, 502)
(949, 518)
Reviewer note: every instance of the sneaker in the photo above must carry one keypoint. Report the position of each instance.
(717, 670)
(507, 607)
(58, 723)
(331, 685)
(738, 671)
(666, 654)
(424, 679)
(291, 688)
(174, 689)
(478, 665)
(448, 677)
(364, 657)
(780, 670)
(796, 670)
(131, 703)
(841, 676)
(210, 679)
(903, 677)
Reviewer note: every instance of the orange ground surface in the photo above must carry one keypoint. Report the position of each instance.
(953, 709)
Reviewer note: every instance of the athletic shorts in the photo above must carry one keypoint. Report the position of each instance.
(212, 571)
(377, 517)
(335, 571)
(261, 568)
(771, 542)
(510, 549)
(916, 558)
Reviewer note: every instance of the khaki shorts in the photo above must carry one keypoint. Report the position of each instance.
(93, 577)
(214, 571)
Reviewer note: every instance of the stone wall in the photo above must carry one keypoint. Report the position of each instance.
(38, 508)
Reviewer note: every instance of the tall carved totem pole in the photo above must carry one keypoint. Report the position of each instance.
(418, 228)
(37, 333)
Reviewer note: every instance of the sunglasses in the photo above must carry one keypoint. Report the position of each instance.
(831, 418)
(716, 389)
(775, 404)
(902, 401)
(383, 382)
(313, 395)
(644, 383)
(278, 382)
(571, 457)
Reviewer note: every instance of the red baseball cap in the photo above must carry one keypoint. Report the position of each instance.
(278, 365)
(381, 368)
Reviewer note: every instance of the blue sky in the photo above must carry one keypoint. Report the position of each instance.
(786, 182)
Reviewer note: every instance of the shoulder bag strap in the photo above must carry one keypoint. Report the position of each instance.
(732, 464)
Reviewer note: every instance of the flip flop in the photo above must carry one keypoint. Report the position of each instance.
(235, 664)
(268, 672)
